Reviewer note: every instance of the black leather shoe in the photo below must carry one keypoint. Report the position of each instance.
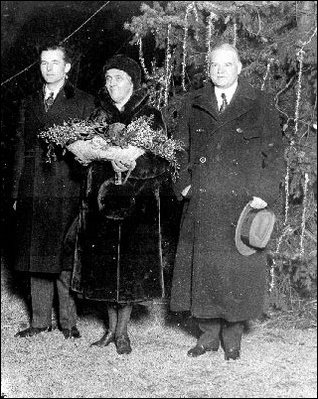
(232, 354)
(123, 345)
(196, 351)
(199, 350)
(29, 332)
(106, 339)
(71, 333)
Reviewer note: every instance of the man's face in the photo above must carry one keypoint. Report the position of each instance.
(225, 68)
(119, 84)
(53, 66)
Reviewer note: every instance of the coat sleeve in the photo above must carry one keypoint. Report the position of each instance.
(89, 106)
(182, 133)
(272, 153)
(18, 152)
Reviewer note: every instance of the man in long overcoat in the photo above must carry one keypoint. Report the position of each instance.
(234, 155)
(47, 194)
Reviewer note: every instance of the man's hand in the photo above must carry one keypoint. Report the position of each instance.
(258, 203)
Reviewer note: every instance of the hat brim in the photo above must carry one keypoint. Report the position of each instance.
(241, 247)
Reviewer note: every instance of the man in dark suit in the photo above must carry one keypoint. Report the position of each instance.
(46, 194)
(234, 155)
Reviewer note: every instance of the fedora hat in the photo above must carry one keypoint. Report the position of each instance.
(253, 230)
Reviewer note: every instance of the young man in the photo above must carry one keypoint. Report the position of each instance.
(234, 155)
(47, 194)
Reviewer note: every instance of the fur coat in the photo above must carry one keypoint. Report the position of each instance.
(119, 254)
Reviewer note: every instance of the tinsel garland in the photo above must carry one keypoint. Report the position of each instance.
(190, 7)
(287, 228)
(141, 59)
(168, 70)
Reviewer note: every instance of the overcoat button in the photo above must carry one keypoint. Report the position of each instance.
(202, 159)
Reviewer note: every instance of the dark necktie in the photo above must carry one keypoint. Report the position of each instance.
(224, 102)
(49, 101)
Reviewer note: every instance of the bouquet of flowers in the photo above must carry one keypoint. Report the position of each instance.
(91, 140)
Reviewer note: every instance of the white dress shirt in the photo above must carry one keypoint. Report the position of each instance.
(47, 91)
(229, 93)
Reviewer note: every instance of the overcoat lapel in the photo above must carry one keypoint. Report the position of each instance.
(38, 105)
(242, 101)
(207, 101)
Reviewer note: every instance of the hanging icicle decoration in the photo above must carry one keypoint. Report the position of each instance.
(303, 221)
(184, 47)
(159, 98)
(234, 32)
(208, 43)
(285, 232)
(267, 72)
(142, 60)
(300, 56)
(287, 193)
(287, 229)
(184, 43)
(167, 67)
(196, 16)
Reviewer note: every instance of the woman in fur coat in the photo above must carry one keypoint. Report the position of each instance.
(119, 239)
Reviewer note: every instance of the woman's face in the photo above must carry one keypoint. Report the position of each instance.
(118, 84)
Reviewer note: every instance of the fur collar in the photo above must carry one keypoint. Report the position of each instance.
(137, 101)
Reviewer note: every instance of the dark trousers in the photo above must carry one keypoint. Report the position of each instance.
(216, 331)
(42, 293)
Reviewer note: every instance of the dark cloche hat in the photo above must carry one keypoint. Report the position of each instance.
(126, 64)
(254, 229)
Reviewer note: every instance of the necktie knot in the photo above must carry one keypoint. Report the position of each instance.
(49, 101)
(224, 102)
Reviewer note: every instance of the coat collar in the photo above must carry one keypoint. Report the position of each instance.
(136, 102)
(242, 101)
(67, 91)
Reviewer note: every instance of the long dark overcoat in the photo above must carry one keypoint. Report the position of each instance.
(231, 157)
(47, 193)
(118, 256)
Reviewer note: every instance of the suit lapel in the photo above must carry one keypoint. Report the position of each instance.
(38, 105)
(242, 101)
(206, 100)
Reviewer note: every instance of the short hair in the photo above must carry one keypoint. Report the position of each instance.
(224, 46)
(56, 46)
